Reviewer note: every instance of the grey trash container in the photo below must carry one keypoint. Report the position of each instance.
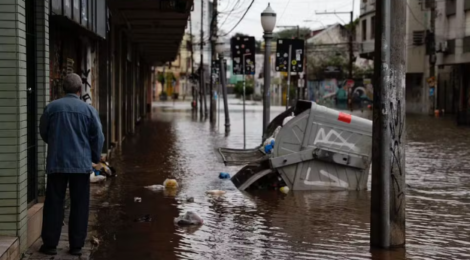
(319, 149)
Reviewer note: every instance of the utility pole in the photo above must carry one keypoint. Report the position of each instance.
(304, 90)
(388, 137)
(213, 57)
(351, 50)
(432, 57)
(193, 90)
(202, 84)
(351, 38)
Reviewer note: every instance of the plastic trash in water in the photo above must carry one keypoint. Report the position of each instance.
(224, 175)
(189, 218)
(268, 141)
(145, 218)
(284, 189)
(170, 192)
(190, 200)
(287, 119)
(137, 199)
(215, 192)
(156, 187)
(170, 184)
(97, 178)
(95, 241)
(268, 149)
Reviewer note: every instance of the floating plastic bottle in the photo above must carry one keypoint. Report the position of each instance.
(284, 189)
(170, 184)
(224, 175)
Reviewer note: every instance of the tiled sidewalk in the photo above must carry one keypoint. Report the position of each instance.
(32, 253)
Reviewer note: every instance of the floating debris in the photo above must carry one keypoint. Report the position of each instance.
(189, 218)
(137, 199)
(284, 189)
(145, 218)
(190, 200)
(156, 187)
(97, 178)
(215, 192)
(170, 184)
(95, 241)
(224, 175)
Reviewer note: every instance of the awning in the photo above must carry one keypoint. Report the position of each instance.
(157, 26)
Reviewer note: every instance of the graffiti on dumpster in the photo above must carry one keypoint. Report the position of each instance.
(333, 180)
(332, 138)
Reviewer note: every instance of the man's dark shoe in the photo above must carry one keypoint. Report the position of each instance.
(76, 251)
(48, 250)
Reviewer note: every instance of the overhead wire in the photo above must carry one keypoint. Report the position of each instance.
(231, 11)
(284, 11)
(239, 21)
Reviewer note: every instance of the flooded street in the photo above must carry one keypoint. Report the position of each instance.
(270, 225)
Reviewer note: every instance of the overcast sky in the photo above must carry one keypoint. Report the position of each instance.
(289, 12)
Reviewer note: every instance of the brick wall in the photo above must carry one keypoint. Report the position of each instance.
(13, 159)
(42, 50)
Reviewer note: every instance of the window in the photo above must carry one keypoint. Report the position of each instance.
(418, 37)
(372, 28)
(451, 46)
(467, 5)
(364, 30)
(451, 7)
(466, 44)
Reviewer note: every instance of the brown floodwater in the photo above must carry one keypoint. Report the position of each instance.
(173, 142)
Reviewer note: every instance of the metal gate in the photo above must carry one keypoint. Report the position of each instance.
(32, 139)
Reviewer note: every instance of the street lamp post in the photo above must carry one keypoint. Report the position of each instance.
(268, 21)
(219, 48)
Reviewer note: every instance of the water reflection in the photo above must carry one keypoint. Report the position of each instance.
(270, 225)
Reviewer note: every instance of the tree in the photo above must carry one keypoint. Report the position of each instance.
(320, 61)
(291, 32)
(249, 87)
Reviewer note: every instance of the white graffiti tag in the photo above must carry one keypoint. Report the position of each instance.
(333, 138)
(334, 181)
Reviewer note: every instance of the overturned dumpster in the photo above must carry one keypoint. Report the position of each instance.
(319, 149)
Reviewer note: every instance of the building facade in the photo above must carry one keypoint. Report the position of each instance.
(113, 45)
(176, 74)
(453, 57)
(418, 99)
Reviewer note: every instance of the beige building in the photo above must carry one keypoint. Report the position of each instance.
(453, 56)
(176, 73)
(417, 90)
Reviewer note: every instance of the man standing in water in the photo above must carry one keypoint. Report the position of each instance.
(72, 130)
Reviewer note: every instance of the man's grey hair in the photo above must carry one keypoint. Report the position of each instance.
(72, 83)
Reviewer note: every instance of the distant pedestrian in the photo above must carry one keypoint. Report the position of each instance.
(72, 130)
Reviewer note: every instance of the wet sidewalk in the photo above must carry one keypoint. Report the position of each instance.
(62, 249)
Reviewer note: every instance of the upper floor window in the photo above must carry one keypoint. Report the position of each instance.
(372, 28)
(364, 29)
(466, 5)
(451, 7)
